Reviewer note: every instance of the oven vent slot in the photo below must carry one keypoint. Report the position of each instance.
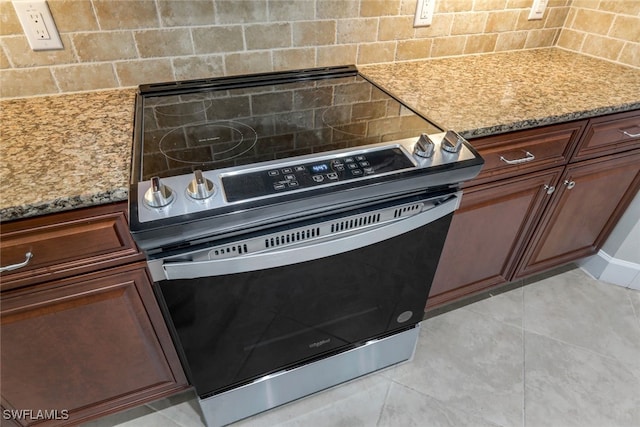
(293, 237)
(407, 209)
(227, 251)
(350, 223)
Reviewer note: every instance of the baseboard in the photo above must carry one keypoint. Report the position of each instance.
(604, 267)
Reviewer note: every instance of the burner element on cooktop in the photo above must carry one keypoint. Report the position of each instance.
(226, 140)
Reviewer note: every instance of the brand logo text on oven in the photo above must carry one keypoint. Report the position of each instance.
(319, 343)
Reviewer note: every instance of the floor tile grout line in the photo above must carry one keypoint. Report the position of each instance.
(633, 308)
(160, 413)
(488, 316)
(390, 382)
(577, 346)
(444, 404)
(588, 350)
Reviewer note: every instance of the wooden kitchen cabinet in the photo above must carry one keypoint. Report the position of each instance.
(609, 134)
(487, 234)
(531, 150)
(505, 231)
(591, 197)
(66, 244)
(88, 344)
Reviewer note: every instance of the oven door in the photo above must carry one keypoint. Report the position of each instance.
(240, 311)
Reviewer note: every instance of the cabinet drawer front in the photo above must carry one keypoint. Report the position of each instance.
(63, 245)
(609, 135)
(526, 151)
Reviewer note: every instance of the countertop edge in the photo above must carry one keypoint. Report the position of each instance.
(63, 204)
(548, 120)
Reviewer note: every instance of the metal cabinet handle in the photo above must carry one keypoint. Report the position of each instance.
(569, 184)
(27, 256)
(527, 158)
(631, 135)
(550, 188)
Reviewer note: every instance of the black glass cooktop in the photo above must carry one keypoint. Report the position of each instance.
(226, 125)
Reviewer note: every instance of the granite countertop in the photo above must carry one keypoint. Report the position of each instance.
(483, 95)
(64, 152)
(69, 151)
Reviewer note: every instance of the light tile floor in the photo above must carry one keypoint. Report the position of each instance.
(560, 351)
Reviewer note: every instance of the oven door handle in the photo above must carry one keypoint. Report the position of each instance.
(168, 270)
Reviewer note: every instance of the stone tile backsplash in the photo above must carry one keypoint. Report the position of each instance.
(123, 43)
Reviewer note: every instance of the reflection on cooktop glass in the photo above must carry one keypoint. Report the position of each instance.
(222, 128)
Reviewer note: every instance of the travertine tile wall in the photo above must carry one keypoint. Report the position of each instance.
(608, 29)
(122, 43)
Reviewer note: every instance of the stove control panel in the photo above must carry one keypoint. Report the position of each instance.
(272, 181)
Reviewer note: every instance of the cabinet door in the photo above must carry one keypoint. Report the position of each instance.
(590, 199)
(85, 345)
(487, 234)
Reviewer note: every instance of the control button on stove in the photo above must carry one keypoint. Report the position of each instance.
(332, 175)
(365, 164)
(290, 177)
(339, 167)
(293, 183)
(299, 168)
(200, 188)
(360, 158)
(318, 178)
(424, 146)
(452, 142)
(278, 186)
(349, 160)
(352, 166)
(158, 195)
(274, 173)
(356, 172)
(368, 170)
(287, 170)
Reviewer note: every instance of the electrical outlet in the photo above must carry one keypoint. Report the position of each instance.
(424, 13)
(37, 24)
(537, 9)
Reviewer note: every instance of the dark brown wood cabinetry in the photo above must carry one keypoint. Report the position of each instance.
(590, 198)
(551, 208)
(91, 341)
(491, 228)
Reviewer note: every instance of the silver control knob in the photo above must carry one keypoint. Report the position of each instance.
(424, 146)
(452, 142)
(200, 188)
(158, 195)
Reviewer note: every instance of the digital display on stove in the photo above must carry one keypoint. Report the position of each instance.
(214, 129)
(320, 168)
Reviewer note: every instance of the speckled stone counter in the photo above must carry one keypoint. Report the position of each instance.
(64, 152)
(487, 94)
(69, 151)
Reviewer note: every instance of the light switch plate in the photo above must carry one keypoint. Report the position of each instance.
(537, 9)
(424, 13)
(37, 24)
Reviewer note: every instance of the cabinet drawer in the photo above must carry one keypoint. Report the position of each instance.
(65, 244)
(609, 135)
(526, 151)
